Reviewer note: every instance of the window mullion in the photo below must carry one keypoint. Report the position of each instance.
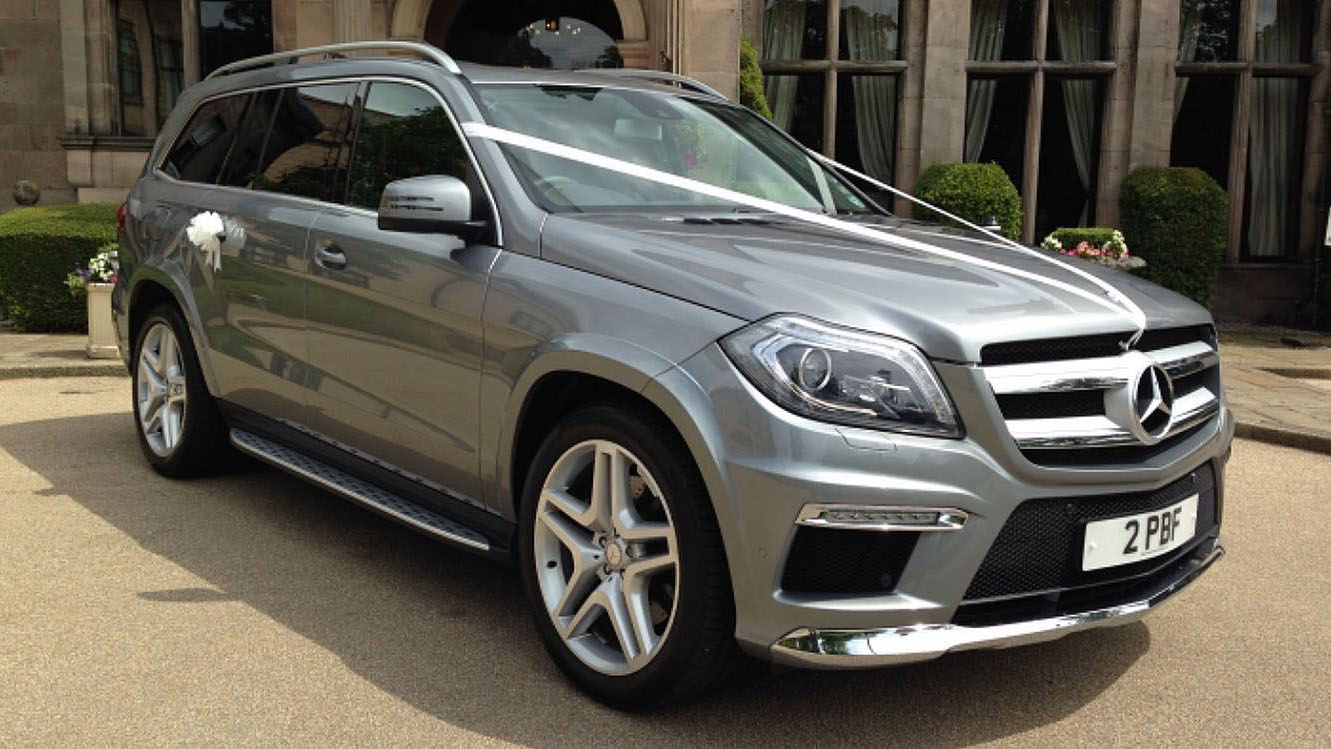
(833, 48)
(1030, 177)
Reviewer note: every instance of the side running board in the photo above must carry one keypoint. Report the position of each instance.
(396, 507)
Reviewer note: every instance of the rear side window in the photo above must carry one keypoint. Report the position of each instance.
(198, 153)
(244, 162)
(307, 141)
(404, 132)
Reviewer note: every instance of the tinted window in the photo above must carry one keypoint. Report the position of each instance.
(404, 132)
(306, 140)
(198, 153)
(244, 162)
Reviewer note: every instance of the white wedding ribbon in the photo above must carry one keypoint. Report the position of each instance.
(1120, 304)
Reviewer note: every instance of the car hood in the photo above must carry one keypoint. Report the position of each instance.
(752, 266)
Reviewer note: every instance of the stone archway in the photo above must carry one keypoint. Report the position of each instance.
(410, 17)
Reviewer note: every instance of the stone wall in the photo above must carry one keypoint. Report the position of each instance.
(32, 113)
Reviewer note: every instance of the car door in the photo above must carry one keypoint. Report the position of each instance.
(394, 318)
(281, 170)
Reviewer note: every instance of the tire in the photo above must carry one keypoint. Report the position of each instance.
(690, 648)
(181, 431)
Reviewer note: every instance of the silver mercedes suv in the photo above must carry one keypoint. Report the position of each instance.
(712, 401)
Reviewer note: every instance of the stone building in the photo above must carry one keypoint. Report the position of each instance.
(1067, 95)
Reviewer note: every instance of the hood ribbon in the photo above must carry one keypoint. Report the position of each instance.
(1120, 304)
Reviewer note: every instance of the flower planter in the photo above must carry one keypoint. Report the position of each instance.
(101, 329)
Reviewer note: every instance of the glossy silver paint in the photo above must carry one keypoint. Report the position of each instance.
(423, 351)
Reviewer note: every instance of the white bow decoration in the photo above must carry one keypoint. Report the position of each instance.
(211, 234)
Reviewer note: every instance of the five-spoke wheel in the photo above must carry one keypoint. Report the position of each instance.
(606, 556)
(159, 392)
(180, 428)
(623, 562)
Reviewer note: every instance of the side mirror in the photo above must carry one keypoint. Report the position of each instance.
(428, 205)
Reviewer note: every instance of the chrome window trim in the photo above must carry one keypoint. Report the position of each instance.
(457, 126)
(949, 519)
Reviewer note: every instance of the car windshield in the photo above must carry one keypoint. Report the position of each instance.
(712, 142)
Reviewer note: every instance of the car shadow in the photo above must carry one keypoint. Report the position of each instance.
(449, 633)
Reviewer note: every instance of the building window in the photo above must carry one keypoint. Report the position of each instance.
(170, 77)
(1049, 145)
(231, 30)
(833, 71)
(1212, 119)
(131, 69)
(150, 74)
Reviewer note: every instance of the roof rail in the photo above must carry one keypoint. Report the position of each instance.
(683, 81)
(426, 51)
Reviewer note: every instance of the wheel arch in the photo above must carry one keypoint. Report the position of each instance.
(151, 288)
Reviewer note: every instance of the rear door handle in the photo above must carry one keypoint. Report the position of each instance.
(327, 255)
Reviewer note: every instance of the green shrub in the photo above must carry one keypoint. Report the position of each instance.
(975, 192)
(752, 94)
(1175, 219)
(38, 249)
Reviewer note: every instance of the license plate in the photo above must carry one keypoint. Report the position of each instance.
(1132, 538)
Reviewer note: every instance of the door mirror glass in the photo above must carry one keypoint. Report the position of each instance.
(428, 205)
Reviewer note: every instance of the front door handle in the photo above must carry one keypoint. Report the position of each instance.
(327, 255)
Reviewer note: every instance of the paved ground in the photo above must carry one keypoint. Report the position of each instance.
(1279, 392)
(253, 609)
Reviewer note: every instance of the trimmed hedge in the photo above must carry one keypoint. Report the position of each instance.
(1095, 236)
(38, 249)
(1175, 218)
(752, 92)
(974, 192)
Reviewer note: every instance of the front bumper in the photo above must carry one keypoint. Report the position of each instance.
(764, 466)
(845, 649)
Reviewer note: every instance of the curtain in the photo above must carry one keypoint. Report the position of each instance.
(1273, 161)
(1077, 26)
(783, 39)
(872, 32)
(1189, 34)
(988, 18)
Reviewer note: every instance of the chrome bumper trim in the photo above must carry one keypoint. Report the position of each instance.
(881, 517)
(839, 649)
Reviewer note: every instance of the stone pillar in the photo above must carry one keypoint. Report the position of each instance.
(100, 48)
(711, 43)
(189, 40)
(1116, 142)
(74, 66)
(351, 20)
(943, 99)
(1152, 73)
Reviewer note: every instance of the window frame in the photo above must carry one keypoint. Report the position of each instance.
(1242, 71)
(1037, 72)
(908, 70)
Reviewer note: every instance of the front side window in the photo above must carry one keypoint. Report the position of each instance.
(403, 133)
(198, 153)
(306, 141)
(719, 144)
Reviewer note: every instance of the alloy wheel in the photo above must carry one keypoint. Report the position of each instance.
(606, 557)
(160, 392)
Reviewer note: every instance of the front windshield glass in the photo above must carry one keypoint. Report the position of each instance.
(712, 142)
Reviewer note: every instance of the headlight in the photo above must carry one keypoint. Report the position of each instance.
(843, 376)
